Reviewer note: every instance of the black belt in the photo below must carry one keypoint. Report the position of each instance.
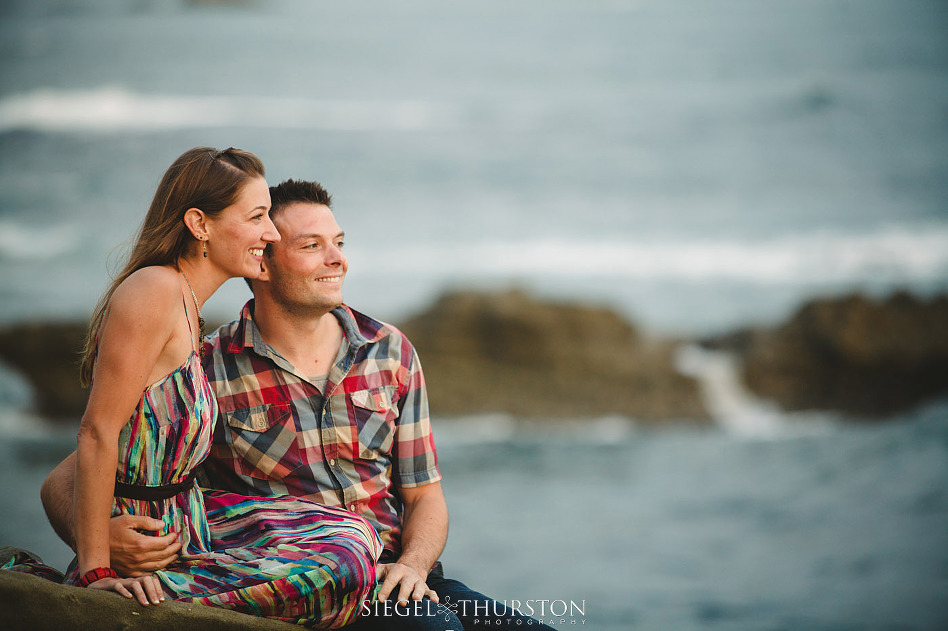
(154, 493)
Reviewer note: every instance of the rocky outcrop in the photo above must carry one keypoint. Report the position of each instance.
(863, 357)
(31, 603)
(47, 354)
(511, 353)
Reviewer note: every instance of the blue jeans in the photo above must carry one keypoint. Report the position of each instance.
(460, 609)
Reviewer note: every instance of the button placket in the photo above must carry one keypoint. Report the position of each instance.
(337, 375)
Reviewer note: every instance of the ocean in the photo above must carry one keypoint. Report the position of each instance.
(697, 166)
(822, 525)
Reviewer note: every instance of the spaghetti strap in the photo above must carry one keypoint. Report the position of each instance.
(184, 301)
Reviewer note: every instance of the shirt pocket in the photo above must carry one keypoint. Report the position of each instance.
(374, 413)
(264, 440)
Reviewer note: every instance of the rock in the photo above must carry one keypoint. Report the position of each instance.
(31, 603)
(47, 354)
(511, 353)
(862, 357)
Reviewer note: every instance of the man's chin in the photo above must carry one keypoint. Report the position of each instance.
(335, 301)
(329, 303)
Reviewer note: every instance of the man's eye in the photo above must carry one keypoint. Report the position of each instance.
(341, 244)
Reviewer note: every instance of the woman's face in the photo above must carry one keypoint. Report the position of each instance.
(237, 236)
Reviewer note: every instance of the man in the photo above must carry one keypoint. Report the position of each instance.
(322, 402)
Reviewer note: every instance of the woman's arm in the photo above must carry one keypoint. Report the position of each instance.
(139, 326)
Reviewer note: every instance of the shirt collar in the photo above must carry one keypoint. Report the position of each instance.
(349, 326)
(247, 335)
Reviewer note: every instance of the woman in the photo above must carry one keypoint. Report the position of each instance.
(150, 414)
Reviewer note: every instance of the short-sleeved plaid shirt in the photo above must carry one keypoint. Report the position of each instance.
(278, 434)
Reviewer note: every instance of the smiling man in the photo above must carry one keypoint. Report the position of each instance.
(320, 401)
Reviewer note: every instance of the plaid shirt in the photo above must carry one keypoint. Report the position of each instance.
(277, 433)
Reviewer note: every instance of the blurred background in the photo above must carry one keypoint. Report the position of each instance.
(736, 212)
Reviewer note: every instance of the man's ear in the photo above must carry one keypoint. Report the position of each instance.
(196, 221)
(264, 269)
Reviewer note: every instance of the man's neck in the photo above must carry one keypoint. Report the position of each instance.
(310, 342)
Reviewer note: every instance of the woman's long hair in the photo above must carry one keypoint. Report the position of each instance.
(202, 178)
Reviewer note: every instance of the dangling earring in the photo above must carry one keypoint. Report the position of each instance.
(204, 245)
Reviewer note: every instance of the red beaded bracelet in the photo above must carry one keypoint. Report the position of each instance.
(97, 574)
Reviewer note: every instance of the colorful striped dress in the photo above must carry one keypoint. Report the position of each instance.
(279, 557)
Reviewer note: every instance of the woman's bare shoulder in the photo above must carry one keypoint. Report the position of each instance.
(148, 293)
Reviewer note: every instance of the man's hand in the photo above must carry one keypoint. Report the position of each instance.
(424, 531)
(409, 582)
(136, 554)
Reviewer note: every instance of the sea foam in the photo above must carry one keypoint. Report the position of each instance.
(113, 109)
(18, 240)
(896, 254)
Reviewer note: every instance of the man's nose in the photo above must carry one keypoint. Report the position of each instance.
(335, 255)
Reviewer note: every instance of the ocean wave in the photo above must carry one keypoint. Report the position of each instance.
(735, 409)
(19, 241)
(890, 255)
(115, 109)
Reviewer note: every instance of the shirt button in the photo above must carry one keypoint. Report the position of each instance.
(332, 463)
(352, 507)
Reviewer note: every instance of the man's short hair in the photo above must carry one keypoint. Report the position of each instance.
(295, 191)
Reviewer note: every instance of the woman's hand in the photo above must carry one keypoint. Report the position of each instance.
(145, 588)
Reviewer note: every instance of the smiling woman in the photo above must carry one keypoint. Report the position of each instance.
(233, 241)
(188, 204)
(149, 418)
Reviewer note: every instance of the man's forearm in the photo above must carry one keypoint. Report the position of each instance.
(424, 531)
(56, 494)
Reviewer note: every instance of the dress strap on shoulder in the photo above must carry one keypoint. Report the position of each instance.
(197, 309)
(184, 302)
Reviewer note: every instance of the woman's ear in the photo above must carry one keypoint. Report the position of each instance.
(196, 221)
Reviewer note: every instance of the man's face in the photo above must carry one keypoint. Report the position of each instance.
(306, 268)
